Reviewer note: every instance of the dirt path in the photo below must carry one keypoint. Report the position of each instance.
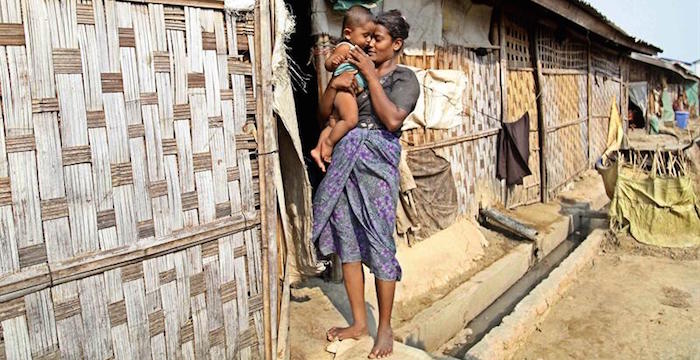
(625, 307)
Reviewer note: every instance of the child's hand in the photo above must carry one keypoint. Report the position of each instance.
(337, 60)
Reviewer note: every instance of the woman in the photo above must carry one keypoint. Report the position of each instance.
(355, 204)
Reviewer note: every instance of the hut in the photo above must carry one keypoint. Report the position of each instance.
(560, 61)
(151, 203)
(138, 171)
(657, 83)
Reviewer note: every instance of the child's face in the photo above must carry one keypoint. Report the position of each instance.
(360, 35)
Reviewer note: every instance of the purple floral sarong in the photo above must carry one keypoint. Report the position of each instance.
(355, 204)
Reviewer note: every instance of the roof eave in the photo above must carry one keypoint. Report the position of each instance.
(597, 24)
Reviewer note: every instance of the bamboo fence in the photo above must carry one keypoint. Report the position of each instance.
(130, 215)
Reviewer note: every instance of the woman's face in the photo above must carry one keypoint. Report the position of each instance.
(383, 47)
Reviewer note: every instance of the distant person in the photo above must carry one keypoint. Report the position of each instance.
(355, 204)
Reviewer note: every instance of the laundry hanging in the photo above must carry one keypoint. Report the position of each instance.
(514, 151)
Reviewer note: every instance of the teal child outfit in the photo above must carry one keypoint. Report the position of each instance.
(348, 67)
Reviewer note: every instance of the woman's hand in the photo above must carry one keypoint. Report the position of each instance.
(362, 62)
(345, 82)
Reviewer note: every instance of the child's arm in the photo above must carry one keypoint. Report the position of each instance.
(340, 54)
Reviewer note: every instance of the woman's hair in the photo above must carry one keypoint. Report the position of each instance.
(393, 21)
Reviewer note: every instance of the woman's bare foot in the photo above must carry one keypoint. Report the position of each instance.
(383, 344)
(351, 332)
(316, 155)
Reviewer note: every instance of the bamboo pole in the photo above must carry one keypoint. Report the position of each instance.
(589, 99)
(539, 85)
(504, 84)
(504, 66)
(267, 150)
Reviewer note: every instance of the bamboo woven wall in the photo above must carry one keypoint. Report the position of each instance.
(565, 106)
(129, 225)
(471, 147)
(522, 97)
(606, 85)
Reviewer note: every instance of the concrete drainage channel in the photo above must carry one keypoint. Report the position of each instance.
(504, 305)
(480, 303)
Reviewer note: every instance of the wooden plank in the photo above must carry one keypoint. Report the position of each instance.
(541, 125)
(267, 136)
(83, 266)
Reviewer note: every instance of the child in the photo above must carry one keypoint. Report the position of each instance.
(358, 27)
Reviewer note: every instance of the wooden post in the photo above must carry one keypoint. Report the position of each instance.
(539, 86)
(502, 54)
(504, 66)
(589, 98)
(267, 151)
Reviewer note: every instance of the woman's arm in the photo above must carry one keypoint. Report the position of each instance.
(342, 82)
(388, 113)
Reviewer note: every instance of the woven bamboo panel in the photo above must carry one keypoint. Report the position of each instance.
(605, 63)
(521, 99)
(474, 160)
(565, 107)
(604, 90)
(517, 46)
(567, 53)
(116, 146)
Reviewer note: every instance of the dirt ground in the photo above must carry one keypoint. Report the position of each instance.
(627, 306)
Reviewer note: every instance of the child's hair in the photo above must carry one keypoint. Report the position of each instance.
(356, 16)
(393, 21)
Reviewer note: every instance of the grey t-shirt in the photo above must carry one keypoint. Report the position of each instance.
(402, 88)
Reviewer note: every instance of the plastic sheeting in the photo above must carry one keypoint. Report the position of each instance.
(638, 95)
(441, 101)
(425, 17)
(448, 22)
(691, 92)
(659, 211)
(465, 23)
(667, 112)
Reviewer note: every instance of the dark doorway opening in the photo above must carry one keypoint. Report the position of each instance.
(635, 116)
(300, 47)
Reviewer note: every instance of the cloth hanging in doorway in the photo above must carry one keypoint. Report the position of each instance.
(514, 151)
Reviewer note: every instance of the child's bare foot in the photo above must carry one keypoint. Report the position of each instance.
(326, 151)
(316, 155)
(353, 331)
(383, 344)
